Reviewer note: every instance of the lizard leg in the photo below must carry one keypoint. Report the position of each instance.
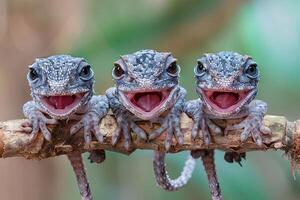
(194, 110)
(89, 121)
(38, 122)
(162, 177)
(125, 124)
(157, 132)
(82, 181)
(90, 124)
(228, 156)
(213, 127)
(252, 125)
(139, 131)
(171, 123)
(205, 132)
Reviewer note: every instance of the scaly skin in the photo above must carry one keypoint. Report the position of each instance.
(62, 88)
(147, 89)
(227, 85)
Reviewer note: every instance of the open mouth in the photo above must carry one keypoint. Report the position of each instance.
(226, 101)
(62, 104)
(147, 103)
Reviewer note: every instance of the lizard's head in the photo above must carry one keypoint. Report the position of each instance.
(61, 84)
(226, 81)
(146, 81)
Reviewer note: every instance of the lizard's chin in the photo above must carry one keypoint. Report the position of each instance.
(62, 105)
(225, 102)
(147, 104)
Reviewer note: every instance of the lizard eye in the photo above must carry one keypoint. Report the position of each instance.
(173, 69)
(86, 72)
(118, 71)
(251, 71)
(200, 69)
(33, 75)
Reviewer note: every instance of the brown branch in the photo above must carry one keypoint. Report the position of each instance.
(15, 143)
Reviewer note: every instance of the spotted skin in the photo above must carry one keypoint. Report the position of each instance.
(149, 70)
(223, 72)
(62, 75)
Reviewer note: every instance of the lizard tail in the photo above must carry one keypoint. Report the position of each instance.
(162, 177)
(209, 166)
(78, 167)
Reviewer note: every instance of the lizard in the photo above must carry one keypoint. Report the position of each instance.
(62, 89)
(146, 88)
(227, 84)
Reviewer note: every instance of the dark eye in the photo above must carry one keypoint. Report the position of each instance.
(33, 75)
(173, 68)
(85, 71)
(252, 71)
(118, 71)
(200, 69)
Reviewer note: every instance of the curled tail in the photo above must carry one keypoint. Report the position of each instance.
(78, 167)
(209, 166)
(162, 177)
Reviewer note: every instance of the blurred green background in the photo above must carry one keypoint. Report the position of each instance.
(103, 30)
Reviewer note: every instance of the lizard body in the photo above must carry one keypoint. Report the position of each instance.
(147, 89)
(227, 85)
(62, 89)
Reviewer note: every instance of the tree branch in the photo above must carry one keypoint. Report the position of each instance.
(15, 143)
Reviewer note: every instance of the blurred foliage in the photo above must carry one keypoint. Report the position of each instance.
(267, 30)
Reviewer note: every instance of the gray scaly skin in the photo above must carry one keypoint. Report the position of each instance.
(62, 89)
(227, 85)
(147, 89)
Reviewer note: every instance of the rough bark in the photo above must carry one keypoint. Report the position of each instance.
(15, 143)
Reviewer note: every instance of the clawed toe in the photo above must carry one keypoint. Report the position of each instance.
(90, 125)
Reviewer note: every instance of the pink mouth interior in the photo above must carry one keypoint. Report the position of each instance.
(226, 100)
(148, 102)
(62, 104)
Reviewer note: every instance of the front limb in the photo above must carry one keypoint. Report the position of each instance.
(171, 122)
(194, 110)
(97, 108)
(125, 120)
(252, 125)
(38, 120)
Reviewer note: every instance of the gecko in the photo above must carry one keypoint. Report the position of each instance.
(147, 88)
(227, 84)
(62, 89)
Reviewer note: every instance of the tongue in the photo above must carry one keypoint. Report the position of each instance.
(61, 102)
(148, 101)
(225, 99)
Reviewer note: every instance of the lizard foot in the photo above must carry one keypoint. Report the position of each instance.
(125, 125)
(207, 127)
(90, 124)
(171, 123)
(251, 126)
(38, 122)
(232, 157)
